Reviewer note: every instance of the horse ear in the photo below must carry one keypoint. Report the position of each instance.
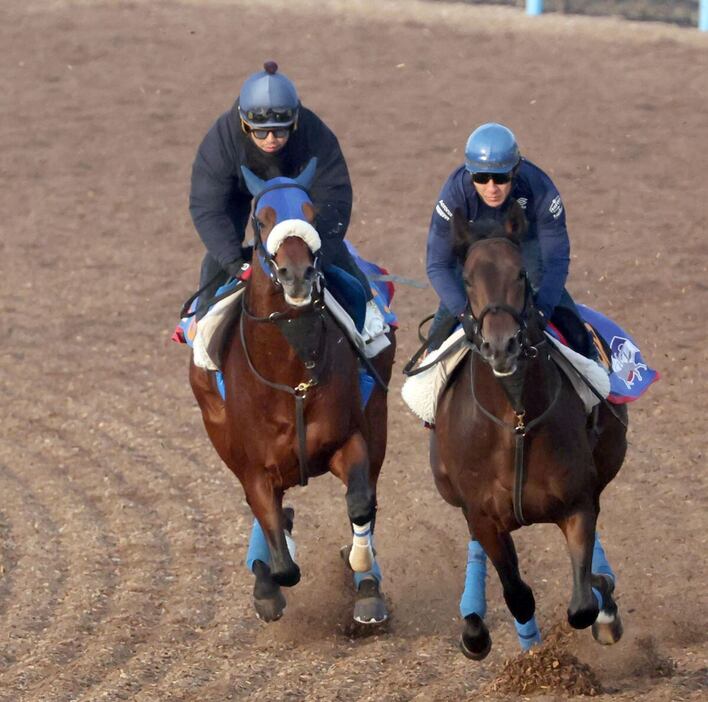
(304, 180)
(308, 211)
(253, 182)
(461, 235)
(516, 223)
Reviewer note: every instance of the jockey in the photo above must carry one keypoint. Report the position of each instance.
(269, 131)
(493, 176)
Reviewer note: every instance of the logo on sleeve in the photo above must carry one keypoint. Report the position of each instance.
(556, 207)
(443, 210)
(523, 201)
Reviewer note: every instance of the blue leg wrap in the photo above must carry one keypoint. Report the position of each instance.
(375, 571)
(528, 634)
(257, 546)
(474, 599)
(601, 566)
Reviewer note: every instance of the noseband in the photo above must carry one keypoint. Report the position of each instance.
(265, 258)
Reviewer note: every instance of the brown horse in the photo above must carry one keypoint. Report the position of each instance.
(293, 408)
(513, 443)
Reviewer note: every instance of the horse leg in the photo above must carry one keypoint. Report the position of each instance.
(350, 464)
(369, 604)
(517, 594)
(579, 530)
(268, 598)
(475, 642)
(607, 628)
(266, 505)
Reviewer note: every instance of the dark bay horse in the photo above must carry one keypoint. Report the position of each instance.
(293, 407)
(513, 443)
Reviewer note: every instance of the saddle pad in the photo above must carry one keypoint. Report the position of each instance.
(421, 391)
(209, 336)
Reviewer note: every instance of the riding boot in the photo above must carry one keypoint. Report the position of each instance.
(211, 277)
(442, 326)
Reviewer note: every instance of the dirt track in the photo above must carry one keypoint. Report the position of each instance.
(122, 536)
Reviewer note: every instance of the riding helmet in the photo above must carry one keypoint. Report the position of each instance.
(268, 99)
(491, 148)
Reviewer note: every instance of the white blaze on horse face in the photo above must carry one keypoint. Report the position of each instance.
(361, 557)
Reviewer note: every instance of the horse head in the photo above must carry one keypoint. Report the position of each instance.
(498, 290)
(286, 243)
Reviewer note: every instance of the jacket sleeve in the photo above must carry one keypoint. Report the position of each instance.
(331, 191)
(441, 264)
(218, 208)
(555, 249)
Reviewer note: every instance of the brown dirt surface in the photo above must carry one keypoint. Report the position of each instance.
(122, 537)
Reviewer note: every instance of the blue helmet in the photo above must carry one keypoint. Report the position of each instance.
(268, 99)
(491, 148)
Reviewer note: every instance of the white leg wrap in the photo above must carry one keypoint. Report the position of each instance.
(361, 557)
(291, 545)
(605, 617)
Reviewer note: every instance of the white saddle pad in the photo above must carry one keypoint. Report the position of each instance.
(421, 391)
(209, 337)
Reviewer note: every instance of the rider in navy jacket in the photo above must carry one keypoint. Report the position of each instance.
(492, 152)
(270, 132)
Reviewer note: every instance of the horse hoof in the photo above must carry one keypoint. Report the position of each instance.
(270, 609)
(607, 628)
(475, 642)
(369, 606)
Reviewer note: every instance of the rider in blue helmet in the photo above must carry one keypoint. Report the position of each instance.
(269, 131)
(493, 175)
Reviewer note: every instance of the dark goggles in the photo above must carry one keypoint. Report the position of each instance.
(277, 132)
(283, 117)
(498, 178)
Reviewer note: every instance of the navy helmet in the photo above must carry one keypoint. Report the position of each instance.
(491, 148)
(268, 99)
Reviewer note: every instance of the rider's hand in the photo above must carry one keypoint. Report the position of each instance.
(237, 268)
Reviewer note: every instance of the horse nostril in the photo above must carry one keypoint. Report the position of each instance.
(513, 345)
(283, 273)
(485, 348)
(310, 273)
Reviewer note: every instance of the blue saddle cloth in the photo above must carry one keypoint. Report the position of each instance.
(630, 375)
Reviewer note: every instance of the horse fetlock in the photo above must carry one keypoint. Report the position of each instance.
(361, 506)
(268, 600)
(475, 642)
(521, 602)
(585, 615)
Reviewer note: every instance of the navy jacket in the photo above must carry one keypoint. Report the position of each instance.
(546, 248)
(220, 203)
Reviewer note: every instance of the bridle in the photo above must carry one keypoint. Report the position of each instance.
(513, 387)
(265, 258)
(286, 320)
(472, 324)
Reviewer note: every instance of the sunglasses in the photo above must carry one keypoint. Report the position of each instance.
(498, 178)
(261, 134)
